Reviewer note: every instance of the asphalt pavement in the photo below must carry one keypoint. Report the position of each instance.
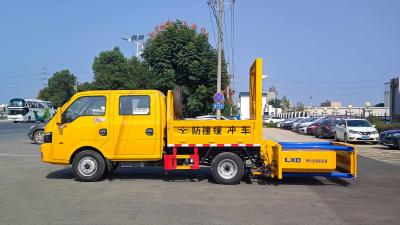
(32, 192)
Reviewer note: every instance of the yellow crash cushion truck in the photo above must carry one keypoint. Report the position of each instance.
(96, 131)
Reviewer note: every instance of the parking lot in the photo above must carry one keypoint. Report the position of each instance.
(36, 193)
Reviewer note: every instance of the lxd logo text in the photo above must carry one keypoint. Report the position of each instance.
(293, 160)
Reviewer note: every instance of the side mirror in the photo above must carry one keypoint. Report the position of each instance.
(343, 125)
(59, 116)
(373, 125)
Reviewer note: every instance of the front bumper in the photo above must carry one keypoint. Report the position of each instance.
(303, 130)
(388, 141)
(46, 151)
(15, 118)
(361, 138)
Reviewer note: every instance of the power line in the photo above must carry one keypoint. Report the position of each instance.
(325, 82)
(212, 22)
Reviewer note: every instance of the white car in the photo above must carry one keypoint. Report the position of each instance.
(356, 130)
(273, 119)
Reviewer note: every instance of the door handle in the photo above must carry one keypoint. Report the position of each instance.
(103, 132)
(149, 131)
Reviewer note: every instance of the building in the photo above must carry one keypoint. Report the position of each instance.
(361, 111)
(336, 104)
(244, 104)
(393, 99)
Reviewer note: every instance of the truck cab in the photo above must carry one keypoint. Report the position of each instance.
(123, 125)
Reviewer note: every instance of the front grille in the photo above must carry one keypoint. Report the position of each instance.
(365, 133)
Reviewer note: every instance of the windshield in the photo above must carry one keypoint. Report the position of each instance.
(17, 102)
(358, 123)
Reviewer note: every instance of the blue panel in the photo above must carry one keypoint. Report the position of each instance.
(333, 174)
(325, 147)
(305, 143)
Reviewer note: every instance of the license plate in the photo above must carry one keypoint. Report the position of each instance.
(365, 137)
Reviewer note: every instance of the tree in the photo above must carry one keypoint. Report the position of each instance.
(276, 103)
(85, 86)
(110, 70)
(180, 55)
(285, 103)
(60, 88)
(326, 103)
(300, 106)
(113, 71)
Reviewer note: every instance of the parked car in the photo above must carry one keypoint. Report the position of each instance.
(326, 128)
(273, 119)
(356, 130)
(390, 138)
(294, 125)
(304, 125)
(281, 123)
(36, 133)
(209, 117)
(289, 124)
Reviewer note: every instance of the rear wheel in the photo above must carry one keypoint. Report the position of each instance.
(88, 165)
(227, 168)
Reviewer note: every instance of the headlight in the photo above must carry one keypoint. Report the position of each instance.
(48, 137)
(353, 132)
(375, 132)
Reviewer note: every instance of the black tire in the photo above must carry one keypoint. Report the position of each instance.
(398, 144)
(88, 166)
(345, 138)
(29, 119)
(111, 166)
(374, 142)
(227, 168)
(38, 137)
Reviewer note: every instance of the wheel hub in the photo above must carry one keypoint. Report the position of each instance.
(227, 169)
(87, 166)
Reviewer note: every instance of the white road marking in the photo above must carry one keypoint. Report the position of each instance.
(16, 155)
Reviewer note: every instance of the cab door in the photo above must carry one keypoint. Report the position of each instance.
(85, 122)
(134, 127)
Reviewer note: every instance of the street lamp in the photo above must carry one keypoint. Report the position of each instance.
(349, 110)
(367, 108)
(335, 110)
(138, 39)
(324, 111)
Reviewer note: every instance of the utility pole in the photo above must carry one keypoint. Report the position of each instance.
(220, 11)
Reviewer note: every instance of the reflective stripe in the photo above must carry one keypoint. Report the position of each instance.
(213, 145)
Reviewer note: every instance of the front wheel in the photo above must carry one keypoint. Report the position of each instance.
(38, 137)
(88, 165)
(345, 138)
(227, 168)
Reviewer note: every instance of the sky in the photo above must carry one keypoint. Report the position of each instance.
(342, 50)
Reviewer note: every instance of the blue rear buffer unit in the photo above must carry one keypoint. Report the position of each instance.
(316, 145)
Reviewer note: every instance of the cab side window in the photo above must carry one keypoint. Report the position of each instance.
(134, 105)
(85, 106)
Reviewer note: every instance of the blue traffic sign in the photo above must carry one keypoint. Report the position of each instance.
(218, 106)
(219, 97)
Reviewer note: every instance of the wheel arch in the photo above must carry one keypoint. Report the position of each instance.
(83, 148)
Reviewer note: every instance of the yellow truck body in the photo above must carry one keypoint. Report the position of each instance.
(96, 130)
